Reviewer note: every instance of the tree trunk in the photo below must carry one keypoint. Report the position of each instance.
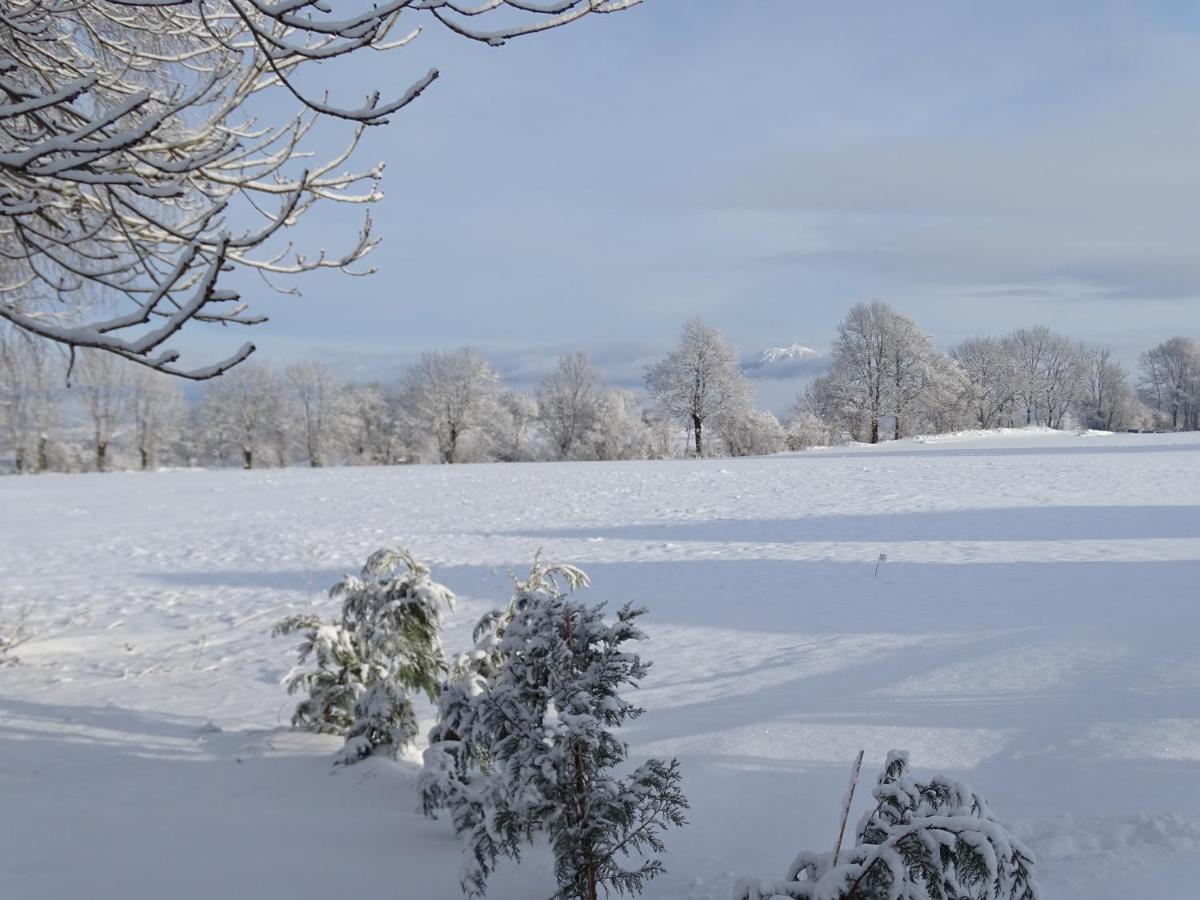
(145, 458)
(101, 455)
(19, 460)
(43, 456)
(874, 430)
(896, 435)
(589, 861)
(247, 458)
(698, 429)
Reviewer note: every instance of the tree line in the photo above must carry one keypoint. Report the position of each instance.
(886, 380)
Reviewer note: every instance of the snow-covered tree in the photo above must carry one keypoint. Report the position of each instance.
(861, 352)
(1046, 372)
(700, 379)
(881, 363)
(618, 429)
(360, 671)
(751, 432)
(525, 743)
(988, 367)
(947, 399)
(156, 407)
(370, 425)
(316, 398)
(1106, 399)
(102, 380)
(148, 147)
(449, 402)
(567, 400)
(29, 409)
(246, 408)
(934, 840)
(806, 429)
(518, 439)
(1170, 382)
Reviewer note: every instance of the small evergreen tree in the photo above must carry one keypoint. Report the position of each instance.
(932, 840)
(362, 668)
(525, 742)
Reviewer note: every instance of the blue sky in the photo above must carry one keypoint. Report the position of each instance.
(765, 165)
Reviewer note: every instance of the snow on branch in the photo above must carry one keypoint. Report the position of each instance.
(127, 150)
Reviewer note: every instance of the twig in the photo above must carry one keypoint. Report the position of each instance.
(837, 847)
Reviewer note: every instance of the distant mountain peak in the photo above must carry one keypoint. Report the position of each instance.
(786, 354)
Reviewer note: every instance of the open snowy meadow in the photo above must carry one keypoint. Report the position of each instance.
(1033, 631)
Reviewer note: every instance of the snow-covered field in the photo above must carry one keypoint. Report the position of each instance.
(1033, 631)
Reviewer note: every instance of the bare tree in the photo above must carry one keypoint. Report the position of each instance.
(1170, 381)
(128, 150)
(28, 398)
(699, 379)
(449, 400)
(245, 408)
(317, 396)
(103, 381)
(156, 404)
(567, 400)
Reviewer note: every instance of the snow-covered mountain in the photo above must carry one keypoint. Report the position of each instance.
(774, 355)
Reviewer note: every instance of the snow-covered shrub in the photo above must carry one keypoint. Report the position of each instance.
(12, 634)
(360, 670)
(525, 743)
(933, 840)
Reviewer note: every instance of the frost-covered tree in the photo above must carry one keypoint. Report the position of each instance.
(156, 408)
(246, 408)
(525, 743)
(934, 840)
(700, 379)
(619, 429)
(988, 367)
(360, 670)
(449, 402)
(29, 409)
(946, 401)
(316, 400)
(859, 382)
(807, 429)
(519, 438)
(1170, 382)
(751, 432)
(881, 362)
(1106, 399)
(102, 380)
(567, 400)
(369, 422)
(1046, 371)
(149, 147)
(909, 370)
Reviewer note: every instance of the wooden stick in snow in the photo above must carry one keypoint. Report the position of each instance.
(837, 847)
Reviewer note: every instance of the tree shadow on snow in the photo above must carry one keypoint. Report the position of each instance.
(1025, 523)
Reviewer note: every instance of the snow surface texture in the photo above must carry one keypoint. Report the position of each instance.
(1031, 632)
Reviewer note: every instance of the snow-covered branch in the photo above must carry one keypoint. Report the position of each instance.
(128, 151)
